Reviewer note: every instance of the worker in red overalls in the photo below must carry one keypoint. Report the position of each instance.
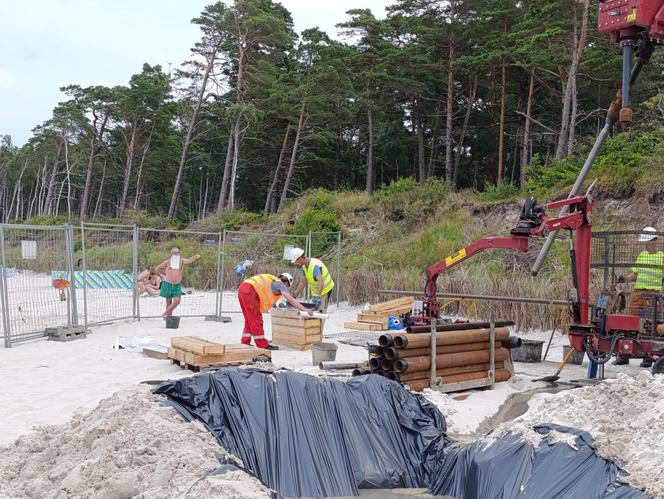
(258, 295)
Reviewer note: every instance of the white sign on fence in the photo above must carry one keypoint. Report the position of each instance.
(288, 249)
(29, 250)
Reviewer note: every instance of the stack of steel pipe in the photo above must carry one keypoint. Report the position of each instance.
(462, 354)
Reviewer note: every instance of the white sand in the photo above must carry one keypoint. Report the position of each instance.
(624, 415)
(131, 445)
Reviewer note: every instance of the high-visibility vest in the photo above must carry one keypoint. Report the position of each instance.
(328, 283)
(262, 283)
(649, 278)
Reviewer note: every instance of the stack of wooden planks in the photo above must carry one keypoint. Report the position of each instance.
(291, 330)
(198, 354)
(377, 316)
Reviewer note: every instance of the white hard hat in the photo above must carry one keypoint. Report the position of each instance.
(648, 234)
(295, 254)
(288, 277)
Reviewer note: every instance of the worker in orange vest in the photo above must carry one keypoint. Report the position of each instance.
(258, 295)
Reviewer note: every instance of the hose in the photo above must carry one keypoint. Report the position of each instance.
(601, 358)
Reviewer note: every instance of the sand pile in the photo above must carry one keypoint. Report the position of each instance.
(129, 446)
(624, 415)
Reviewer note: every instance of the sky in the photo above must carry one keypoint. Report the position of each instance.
(47, 44)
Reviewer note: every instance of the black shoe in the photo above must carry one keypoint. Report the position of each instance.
(620, 361)
(646, 363)
(271, 347)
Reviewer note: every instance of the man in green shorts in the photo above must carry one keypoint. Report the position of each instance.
(171, 287)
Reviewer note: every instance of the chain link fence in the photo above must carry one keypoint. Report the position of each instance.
(54, 276)
(35, 265)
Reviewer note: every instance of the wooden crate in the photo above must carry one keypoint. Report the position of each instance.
(195, 344)
(291, 330)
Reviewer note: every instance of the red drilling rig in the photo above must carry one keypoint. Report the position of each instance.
(638, 27)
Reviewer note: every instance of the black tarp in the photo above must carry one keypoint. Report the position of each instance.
(305, 436)
(510, 467)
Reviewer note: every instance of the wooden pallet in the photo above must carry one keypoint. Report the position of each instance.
(292, 331)
(194, 353)
(205, 367)
(376, 318)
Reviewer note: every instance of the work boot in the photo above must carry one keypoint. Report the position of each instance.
(271, 347)
(646, 363)
(621, 360)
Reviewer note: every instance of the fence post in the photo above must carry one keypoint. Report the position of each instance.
(136, 312)
(85, 277)
(69, 244)
(338, 283)
(222, 258)
(4, 299)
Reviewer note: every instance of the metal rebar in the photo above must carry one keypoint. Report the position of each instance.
(534, 301)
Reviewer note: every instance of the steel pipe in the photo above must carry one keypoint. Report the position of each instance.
(512, 342)
(457, 327)
(421, 340)
(511, 299)
(448, 371)
(386, 364)
(394, 353)
(374, 363)
(502, 375)
(413, 364)
(331, 365)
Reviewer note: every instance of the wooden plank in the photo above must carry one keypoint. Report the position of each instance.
(363, 326)
(285, 312)
(373, 319)
(295, 334)
(197, 345)
(392, 304)
(233, 353)
(295, 346)
(278, 338)
(155, 354)
(296, 323)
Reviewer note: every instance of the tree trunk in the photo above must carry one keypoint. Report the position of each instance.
(501, 132)
(420, 151)
(291, 166)
(94, 147)
(237, 133)
(572, 122)
(275, 178)
(525, 147)
(128, 166)
(570, 87)
(139, 177)
(370, 152)
(449, 167)
(51, 182)
(223, 192)
(464, 130)
(95, 215)
(434, 144)
(172, 209)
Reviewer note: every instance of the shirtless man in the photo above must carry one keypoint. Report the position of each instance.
(171, 287)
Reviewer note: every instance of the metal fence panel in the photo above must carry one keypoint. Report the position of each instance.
(104, 272)
(31, 258)
(265, 252)
(201, 279)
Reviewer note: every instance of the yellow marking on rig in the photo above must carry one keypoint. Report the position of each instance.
(452, 259)
(632, 16)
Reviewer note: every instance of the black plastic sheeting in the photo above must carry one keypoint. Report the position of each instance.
(510, 467)
(305, 436)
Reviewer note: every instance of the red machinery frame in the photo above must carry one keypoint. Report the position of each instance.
(601, 335)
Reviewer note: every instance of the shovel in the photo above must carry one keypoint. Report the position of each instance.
(556, 377)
